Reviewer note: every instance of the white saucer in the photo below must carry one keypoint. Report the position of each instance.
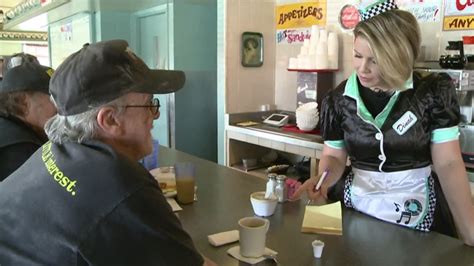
(235, 252)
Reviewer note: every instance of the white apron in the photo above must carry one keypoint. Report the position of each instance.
(405, 197)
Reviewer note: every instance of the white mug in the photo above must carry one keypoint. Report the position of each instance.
(253, 234)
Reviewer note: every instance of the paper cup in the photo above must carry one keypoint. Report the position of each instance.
(318, 246)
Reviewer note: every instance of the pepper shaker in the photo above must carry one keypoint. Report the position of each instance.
(281, 190)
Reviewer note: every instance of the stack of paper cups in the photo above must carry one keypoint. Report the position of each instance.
(322, 54)
(333, 51)
(314, 36)
(318, 52)
(293, 63)
(305, 48)
(323, 35)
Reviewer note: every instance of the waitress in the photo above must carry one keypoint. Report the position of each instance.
(399, 130)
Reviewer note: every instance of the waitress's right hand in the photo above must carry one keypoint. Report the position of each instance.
(310, 187)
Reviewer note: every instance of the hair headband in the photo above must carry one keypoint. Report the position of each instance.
(377, 8)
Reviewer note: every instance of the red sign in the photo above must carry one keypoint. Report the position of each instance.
(461, 6)
(349, 17)
(45, 2)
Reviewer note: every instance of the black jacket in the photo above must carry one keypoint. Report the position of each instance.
(17, 143)
(79, 204)
(432, 102)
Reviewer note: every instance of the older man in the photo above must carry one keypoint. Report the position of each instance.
(83, 198)
(25, 107)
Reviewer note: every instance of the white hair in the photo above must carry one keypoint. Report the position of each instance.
(79, 127)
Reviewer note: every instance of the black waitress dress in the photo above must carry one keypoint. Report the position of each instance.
(388, 139)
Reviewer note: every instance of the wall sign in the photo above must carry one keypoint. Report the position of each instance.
(458, 23)
(458, 7)
(458, 15)
(424, 11)
(349, 16)
(294, 21)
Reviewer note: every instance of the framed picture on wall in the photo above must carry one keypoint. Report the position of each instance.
(252, 49)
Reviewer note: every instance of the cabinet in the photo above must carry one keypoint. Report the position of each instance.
(255, 141)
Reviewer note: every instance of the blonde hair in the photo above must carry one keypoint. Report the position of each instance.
(394, 38)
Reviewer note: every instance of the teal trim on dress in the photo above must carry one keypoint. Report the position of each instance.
(335, 144)
(352, 90)
(382, 116)
(409, 83)
(441, 135)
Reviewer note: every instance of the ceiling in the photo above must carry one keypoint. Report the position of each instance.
(9, 3)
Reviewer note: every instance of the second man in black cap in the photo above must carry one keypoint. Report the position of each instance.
(25, 107)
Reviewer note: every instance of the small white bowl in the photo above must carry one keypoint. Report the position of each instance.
(262, 206)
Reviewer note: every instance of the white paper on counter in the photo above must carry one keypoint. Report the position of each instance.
(174, 205)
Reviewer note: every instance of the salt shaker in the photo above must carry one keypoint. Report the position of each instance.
(281, 190)
(271, 185)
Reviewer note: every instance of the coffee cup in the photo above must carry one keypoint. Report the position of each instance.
(252, 235)
(262, 206)
(185, 173)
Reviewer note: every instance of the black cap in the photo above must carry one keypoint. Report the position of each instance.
(27, 76)
(104, 71)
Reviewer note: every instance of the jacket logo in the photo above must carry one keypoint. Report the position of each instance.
(404, 123)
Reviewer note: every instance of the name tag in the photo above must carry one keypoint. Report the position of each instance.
(404, 123)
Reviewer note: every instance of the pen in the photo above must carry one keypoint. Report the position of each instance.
(321, 180)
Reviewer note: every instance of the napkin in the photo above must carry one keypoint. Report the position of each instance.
(324, 219)
(174, 205)
(223, 238)
(235, 252)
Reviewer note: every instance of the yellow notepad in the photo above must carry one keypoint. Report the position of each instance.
(324, 219)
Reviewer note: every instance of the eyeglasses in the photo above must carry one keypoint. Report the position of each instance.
(154, 106)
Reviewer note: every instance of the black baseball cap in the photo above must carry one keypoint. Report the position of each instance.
(28, 76)
(102, 72)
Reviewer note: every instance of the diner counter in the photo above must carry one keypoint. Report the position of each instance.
(223, 198)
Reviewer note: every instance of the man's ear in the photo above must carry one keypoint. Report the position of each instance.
(24, 103)
(108, 121)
